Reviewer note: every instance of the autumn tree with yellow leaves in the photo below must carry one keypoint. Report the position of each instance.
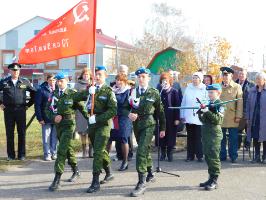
(219, 52)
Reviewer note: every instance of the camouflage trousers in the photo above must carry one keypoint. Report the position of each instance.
(99, 137)
(65, 148)
(143, 156)
(211, 152)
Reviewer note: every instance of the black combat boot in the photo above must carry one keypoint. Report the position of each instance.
(56, 182)
(170, 154)
(150, 176)
(95, 185)
(163, 154)
(108, 177)
(75, 175)
(140, 187)
(212, 184)
(205, 183)
(90, 151)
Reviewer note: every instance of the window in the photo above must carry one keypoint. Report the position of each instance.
(83, 59)
(52, 63)
(36, 32)
(8, 58)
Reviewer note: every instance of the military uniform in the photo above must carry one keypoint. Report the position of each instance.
(148, 108)
(212, 120)
(65, 104)
(105, 108)
(15, 102)
(99, 133)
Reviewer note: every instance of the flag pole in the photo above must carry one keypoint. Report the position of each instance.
(94, 60)
(93, 80)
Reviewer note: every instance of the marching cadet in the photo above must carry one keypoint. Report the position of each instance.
(61, 110)
(100, 126)
(212, 119)
(146, 103)
(14, 104)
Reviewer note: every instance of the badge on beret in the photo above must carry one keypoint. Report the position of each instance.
(60, 76)
(99, 68)
(214, 87)
(142, 70)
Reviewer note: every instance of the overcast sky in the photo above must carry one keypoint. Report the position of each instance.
(242, 22)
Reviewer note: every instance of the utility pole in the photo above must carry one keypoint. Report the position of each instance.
(116, 52)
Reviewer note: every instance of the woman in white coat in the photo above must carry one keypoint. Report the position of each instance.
(194, 90)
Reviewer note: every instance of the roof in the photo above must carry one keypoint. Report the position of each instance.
(100, 37)
(47, 19)
(165, 60)
(109, 41)
(161, 52)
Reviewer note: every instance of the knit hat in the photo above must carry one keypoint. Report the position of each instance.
(199, 74)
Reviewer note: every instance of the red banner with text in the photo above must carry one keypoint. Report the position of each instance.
(72, 34)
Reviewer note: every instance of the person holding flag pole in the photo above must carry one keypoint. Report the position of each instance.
(102, 108)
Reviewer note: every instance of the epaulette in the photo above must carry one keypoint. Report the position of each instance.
(73, 90)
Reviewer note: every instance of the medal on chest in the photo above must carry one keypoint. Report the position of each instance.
(53, 105)
(133, 100)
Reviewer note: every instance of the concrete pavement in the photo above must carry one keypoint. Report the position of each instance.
(242, 180)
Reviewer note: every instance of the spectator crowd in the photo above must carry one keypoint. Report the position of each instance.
(245, 116)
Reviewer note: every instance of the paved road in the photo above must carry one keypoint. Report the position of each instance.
(243, 181)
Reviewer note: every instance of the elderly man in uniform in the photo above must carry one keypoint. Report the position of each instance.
(232, 115)
(100, 126)
(14, 104)
(146, 103)
(61, 111)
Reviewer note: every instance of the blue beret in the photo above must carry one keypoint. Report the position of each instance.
(215, 86)
(60, 76)
(142, 70)
(14, 66)
(227, 70)
(98, 68)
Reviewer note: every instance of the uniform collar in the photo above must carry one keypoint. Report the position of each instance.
(100, 86)
(19, 79)
(145, 89)
(65, 91)
(231, 84)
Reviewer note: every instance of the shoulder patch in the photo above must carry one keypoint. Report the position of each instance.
(72, 90)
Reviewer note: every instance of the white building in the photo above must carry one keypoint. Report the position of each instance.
(13, 40)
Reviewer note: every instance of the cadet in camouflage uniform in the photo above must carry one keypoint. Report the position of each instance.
(146, 104)
(100, 126)
(212, 119)
(61, 110)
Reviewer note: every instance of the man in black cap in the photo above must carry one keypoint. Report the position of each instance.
(14, 105)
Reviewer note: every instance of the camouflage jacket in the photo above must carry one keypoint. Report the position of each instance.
(212, 121)
(105, 106)
(150, 108)
(65, 105)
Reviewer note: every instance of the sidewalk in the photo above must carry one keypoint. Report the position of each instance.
(238, 181)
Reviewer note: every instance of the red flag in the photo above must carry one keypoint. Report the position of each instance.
(70, 35)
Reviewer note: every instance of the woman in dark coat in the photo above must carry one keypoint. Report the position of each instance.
(170, 97)
(122, 124)
(255, 116)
